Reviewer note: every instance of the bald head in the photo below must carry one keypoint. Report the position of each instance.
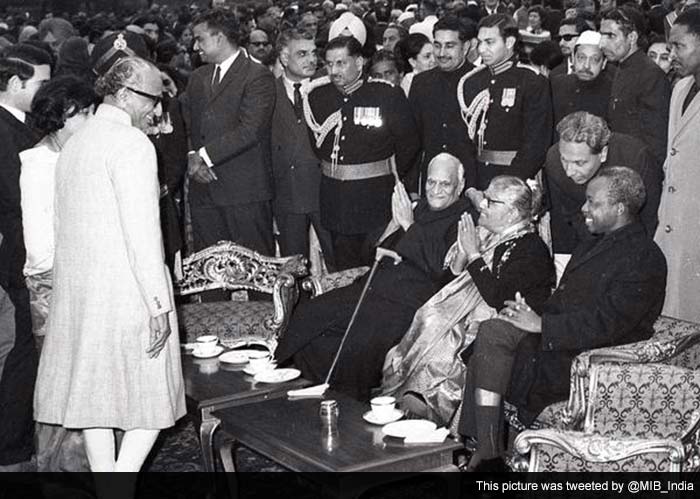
(445, 181)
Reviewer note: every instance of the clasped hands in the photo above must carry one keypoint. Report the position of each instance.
(401, 207)
(198, 169)
(520, 314)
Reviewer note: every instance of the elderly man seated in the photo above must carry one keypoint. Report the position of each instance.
(421, 236)
(611, 293)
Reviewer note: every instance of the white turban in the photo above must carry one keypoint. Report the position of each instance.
(352, 23)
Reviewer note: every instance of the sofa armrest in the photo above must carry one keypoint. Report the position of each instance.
(317, 285)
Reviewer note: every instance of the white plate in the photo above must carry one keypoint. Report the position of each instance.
(409, 427)
(234, 358)
(277, 375)
(251, 352)
(253, 372)
(371, 417)
(213, 353)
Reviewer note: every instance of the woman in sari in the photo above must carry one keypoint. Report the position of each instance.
(503, 256)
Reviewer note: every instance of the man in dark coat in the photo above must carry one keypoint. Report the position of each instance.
(640, 96)
(611, 294)
(361, 129)
(22, 71)
(296, 169)
(228, 107)
(507, 106)
(586, 146)
(588, 87)
(434, 103)
(421, 237)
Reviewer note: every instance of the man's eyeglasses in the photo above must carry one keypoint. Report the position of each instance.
(490, 201)
(566, 38)
(157, 99)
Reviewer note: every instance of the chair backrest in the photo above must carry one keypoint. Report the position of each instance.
(227, 265)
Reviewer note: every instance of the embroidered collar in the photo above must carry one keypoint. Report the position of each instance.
(502, 67)
(354, 86)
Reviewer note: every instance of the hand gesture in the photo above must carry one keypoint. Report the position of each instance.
(521, 315)
(467, 238)
(160, 330)
(401, 207)
(198, 170)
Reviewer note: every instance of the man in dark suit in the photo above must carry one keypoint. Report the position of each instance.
(228, 106)
(295, 167)
(23, 69)
(586, 146)
(611, 294)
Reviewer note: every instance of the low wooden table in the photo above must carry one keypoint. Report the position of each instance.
(211, 385)
(290, 432)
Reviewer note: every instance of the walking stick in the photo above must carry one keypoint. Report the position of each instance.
(318, 390)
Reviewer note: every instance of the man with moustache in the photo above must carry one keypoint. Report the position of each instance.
(611, 294)
(586, 146)
(640, 94)
(569, 31)
(588, 88)
(434, 103)
(295, 168)
(365, 137)
(228, 107)
(678, 234)
(506, 106)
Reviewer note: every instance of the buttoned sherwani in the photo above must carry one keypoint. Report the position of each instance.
(678, 233)
(110, 279)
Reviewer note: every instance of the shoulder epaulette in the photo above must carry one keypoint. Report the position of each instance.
(380, 80)
(527, 66)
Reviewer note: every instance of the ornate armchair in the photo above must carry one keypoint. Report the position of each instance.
(639, 405)
(229, 266)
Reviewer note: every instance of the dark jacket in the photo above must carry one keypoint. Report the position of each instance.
(296, 169)
(520, 265)
(569, 94)
(610, 294)
(433, 99)
(567, 197)
(233, 124)
(639, 103)
(15, 137)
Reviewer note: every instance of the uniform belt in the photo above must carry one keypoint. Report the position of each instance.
(357, 171)
(497, 157)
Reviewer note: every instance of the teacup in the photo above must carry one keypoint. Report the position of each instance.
(206, 344)
(260, 362)
(383, 407)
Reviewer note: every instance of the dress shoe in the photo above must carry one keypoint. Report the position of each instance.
(494, 465)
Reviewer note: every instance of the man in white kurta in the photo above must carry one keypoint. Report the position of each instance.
(678, 233)
(110, 360)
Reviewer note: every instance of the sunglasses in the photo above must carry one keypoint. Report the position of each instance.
(259, 44)
(566, 38)
(157, 99)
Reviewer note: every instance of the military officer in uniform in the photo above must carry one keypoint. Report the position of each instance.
(364, 134)
(506, 106)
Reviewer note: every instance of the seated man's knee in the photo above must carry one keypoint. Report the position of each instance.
(493, 333)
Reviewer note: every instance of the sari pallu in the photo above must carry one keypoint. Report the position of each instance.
(427, 360)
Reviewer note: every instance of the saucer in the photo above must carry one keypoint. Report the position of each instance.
(372, 418)
(409, 428)
(213, 353)
(252, 372)
(234, 357)
(277, 375)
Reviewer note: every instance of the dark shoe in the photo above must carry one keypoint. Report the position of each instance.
(495, 465)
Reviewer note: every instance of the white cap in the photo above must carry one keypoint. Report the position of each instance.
(404, 16)
(341, 6)
(588, 38)
(352, 23)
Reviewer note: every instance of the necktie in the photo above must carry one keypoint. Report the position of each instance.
(217, 77)
(297, 100)
(689, 98)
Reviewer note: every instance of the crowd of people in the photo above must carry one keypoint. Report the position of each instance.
(527, 165)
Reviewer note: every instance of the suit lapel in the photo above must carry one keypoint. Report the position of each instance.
(289, 117)
(603, 245)
(13, 122)
(235, 72)
(684, 119)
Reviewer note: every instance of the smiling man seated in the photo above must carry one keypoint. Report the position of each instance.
(421, 236)
(610, 294)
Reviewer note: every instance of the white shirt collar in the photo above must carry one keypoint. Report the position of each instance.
(226, 64)
(289, 85)
(20, 115)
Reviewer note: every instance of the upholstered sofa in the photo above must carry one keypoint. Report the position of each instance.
(237, 322)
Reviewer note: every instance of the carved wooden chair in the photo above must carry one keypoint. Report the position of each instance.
(319, 284)
(634, 407)
(229, 266)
